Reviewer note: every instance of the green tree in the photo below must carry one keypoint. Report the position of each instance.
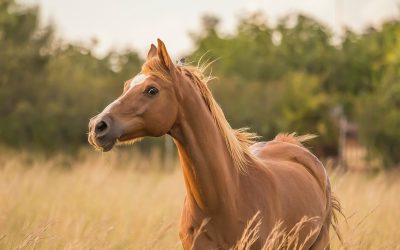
(378, 110)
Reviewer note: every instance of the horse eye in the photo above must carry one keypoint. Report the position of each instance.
(151, 91)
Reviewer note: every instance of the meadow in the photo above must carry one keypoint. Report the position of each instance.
(122, 200)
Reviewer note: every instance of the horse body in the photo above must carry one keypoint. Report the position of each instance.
(228, 178)
(285, 183)
(280, 190)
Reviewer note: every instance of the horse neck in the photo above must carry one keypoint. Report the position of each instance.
(210, 177)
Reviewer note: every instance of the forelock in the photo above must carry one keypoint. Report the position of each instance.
(154, 67)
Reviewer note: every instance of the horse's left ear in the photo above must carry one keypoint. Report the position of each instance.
(152, 51)
(163, 55)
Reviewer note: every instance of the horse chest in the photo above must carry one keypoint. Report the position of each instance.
(199, 231)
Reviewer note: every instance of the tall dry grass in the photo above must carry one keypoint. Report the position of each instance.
(116, 201)
(371, 203)
(94, 203)
(280, 238)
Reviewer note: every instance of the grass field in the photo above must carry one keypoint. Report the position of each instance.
(112, 201)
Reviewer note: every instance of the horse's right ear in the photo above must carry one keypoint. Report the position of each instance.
(163, 56)
(152, 51)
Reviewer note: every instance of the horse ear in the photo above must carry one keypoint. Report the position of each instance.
(152, 51)
(163, 55)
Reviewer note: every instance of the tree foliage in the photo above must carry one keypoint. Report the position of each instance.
(49, 89)
(273, 78)
(292, 76)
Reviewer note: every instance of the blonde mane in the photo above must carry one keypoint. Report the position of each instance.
(237, 141)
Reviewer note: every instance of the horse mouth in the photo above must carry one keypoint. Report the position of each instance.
(101, 145)
(106, 143)
(107, 147)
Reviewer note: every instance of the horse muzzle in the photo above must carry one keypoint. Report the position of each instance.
(103, 133)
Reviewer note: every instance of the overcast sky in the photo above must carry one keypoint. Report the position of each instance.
(132, 23)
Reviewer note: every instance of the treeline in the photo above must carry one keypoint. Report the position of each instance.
(49, 88)
(294, 76)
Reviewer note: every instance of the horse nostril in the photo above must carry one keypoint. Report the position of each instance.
(101, 127)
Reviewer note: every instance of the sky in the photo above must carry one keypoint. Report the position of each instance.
(119, 24)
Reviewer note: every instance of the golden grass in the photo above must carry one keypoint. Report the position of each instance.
(112, 201)
(279, 238)
(371, 203)
(95, 205)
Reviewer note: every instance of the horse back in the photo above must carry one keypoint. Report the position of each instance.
(288, 148)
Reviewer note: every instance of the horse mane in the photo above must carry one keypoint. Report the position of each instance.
(294, 138)
(238, 141)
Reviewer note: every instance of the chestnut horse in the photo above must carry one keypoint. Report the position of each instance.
(228, 177)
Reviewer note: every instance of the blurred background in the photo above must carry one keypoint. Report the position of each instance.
(326, 67)
(329, 68)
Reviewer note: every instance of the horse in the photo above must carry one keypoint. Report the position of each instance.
(229, 176)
